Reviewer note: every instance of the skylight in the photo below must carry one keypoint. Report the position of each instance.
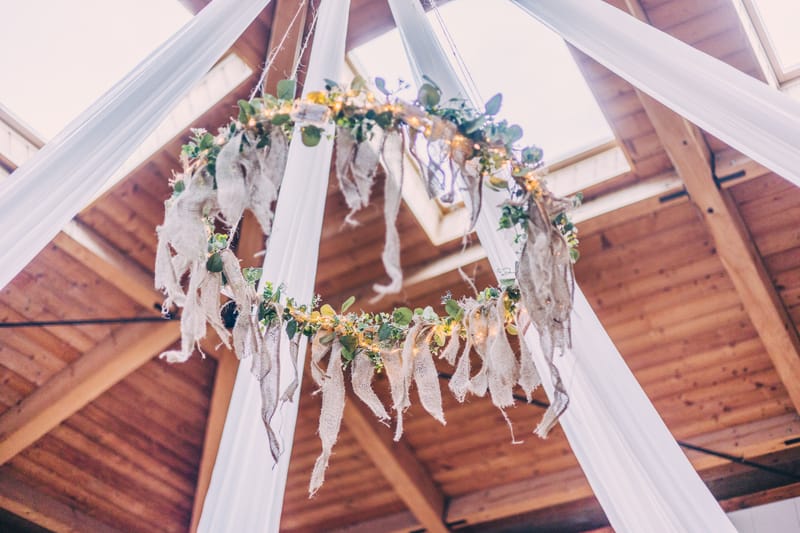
(59, 57)
(507, 51)
(777, 21)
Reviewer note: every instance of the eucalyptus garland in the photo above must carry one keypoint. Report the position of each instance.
(456, 149)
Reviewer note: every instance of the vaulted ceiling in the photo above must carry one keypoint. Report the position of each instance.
(696, 279)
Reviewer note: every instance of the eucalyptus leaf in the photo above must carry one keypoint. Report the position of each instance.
(281, 118)
(385, 331)
(358, 83)
(286, 89)
(493, 105)
(327, 339)
(347, 303)
(350, 342)
(452, 308)
(514, 133)
(402, 316)
(214, 263)
(380, 83)
(428, 95)
(291, 328)
(311, 135)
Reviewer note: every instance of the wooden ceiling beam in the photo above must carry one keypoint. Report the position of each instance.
(18, 497)
(399, 466)
(97, 254)
(565, 486)
(83, 380)
(693, 161)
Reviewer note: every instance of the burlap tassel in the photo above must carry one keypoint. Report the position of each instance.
(399, 369)
(393, 363)
(529, 378)
(193, 320)
(356, 164)
(294, 355)
(209, 302)
(546, 283)
(503, 369)
(266, 176)
(232, 190)
(184, 233)
(331, 385)
(426, 378)
(450, 351)
(265, 366)
(459, 382)
(362, 372)
(393, 155)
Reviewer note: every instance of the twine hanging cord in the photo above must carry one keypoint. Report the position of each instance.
(273, 54)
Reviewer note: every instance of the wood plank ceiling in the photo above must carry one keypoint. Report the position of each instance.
(125, 451)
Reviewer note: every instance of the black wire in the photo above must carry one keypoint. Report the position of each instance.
(740, 460)
(687, 445)
(85, 321)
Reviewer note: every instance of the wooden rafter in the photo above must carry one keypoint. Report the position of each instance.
(692, 159)
(83, 380)
(399, 466)
(109, 263)
(566, 486)
(39, 508)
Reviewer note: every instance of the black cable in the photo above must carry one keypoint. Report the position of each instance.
(689, 446)
(740, 460)
(85, 321)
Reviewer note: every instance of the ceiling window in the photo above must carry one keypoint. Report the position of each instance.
(776, 22)
(502, 50)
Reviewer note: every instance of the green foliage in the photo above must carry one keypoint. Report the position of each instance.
(311, 135)
(286, 89)
(429, 96)
(214, 263)
(402, 316)
(493, 105)
(348, 303)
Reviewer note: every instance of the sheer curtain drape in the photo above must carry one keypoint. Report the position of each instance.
(640, 476)
(749, 115)
(246, 490)
(44, 194)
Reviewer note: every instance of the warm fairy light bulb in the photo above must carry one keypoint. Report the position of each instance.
(251, 122)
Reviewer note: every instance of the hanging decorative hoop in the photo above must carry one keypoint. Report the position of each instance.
(457, 149)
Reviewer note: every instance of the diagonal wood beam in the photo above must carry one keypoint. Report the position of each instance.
(34, 505)
(693, 161)
(566, 486)
(80, 382)
(399, 466)
(103, 258)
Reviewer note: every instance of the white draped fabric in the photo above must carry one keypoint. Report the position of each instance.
(43, 195)
(637, 471)
(246, 490)
(747, 114)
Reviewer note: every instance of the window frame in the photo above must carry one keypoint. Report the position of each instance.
(768, 45)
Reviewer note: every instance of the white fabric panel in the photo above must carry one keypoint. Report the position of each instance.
(749, 115)
(53, 186)
(246, 490)
(638, 473)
